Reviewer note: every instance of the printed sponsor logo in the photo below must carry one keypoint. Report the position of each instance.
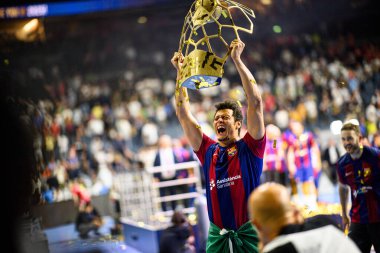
(227, 182)
(362, 190)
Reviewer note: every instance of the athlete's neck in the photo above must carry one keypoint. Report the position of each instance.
(357, 154)
(227, 141)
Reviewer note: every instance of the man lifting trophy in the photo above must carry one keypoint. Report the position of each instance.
(232, 165)
(202, 44)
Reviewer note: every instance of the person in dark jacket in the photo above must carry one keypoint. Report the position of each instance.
(177, 238)
(330, 157)
(88, 220)
(166, 157)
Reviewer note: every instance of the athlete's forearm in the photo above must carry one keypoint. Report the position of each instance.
(188, 122)
(182, 102)
(343, 196)
(249, 83)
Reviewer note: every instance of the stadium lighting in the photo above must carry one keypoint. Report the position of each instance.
(31, 26)
(277, 29)
(142, 20)
(266, 2)
(336, 126)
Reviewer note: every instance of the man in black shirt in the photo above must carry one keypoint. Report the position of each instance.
(88, 220)
(177, 238)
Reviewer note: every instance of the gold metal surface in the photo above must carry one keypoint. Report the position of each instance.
(203, 64)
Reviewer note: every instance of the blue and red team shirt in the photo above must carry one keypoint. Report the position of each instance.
(271, 155)
(363, 177)
(231, 174)
(287, 138)
(302, 149)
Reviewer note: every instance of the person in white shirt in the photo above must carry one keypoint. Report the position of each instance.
(281, 227)
(165, 157)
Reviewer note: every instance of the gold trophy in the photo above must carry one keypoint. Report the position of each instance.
(202, 44)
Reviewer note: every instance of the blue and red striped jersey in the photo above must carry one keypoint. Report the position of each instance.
(274, 154)
(302, 149)
(363, 177)
(231, 174)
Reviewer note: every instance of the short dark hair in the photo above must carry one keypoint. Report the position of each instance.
(178, 218)
(234, 106)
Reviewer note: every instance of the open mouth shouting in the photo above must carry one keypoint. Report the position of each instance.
(222, 133)
(221, 129)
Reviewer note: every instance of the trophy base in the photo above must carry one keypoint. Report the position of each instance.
(201, 82)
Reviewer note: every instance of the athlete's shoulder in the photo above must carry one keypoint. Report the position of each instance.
(372, 151)
(344, 159)
(207, 142)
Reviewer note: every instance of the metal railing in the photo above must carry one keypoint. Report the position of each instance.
(140, 201)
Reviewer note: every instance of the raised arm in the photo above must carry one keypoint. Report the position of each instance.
(188, 122)
(255, 116)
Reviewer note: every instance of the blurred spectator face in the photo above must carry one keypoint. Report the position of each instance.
(177, 143)
(331, 142)
(281, 118)
(149, 134)
(165, 141)
(72, 152)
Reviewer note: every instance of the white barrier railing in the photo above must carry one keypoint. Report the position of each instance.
(140, 200)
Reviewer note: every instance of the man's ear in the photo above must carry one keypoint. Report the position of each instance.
(256, 224)
(238, 124)
(297, 215)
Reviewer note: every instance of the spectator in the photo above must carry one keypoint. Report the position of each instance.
(88, 220)
(281, 227)
(330, 158)
(166, 157)
(80, 193)
(177, 238)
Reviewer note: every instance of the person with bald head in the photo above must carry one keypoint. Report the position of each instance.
(282, 228)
